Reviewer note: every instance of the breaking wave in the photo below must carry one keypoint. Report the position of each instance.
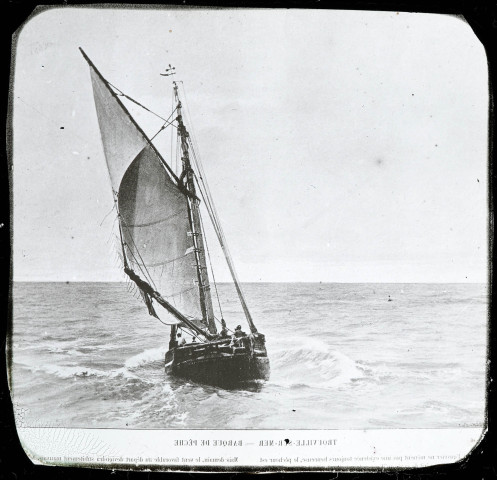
(314, 361)
(152, 355)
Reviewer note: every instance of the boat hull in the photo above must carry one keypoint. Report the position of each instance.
(219, 363)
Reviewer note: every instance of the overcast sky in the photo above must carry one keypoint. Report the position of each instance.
(339, 146)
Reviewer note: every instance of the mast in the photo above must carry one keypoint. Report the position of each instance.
(205, 193)
(193, 205)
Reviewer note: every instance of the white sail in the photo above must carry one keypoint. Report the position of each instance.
(153, 211)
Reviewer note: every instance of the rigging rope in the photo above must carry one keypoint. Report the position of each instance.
(162, 161)
(167, 123)
(125, 260)
(110, 211)
(178, 147)
(172, 105)
(205, 193)
(210, 264)
(122, 94)
(163, 128)
(145, 273)
(211, 209)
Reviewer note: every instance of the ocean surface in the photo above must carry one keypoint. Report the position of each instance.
(342, 357)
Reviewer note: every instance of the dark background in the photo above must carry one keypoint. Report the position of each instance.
(481, 463)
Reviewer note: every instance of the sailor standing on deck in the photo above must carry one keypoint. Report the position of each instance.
(237, 336)
(224, 330)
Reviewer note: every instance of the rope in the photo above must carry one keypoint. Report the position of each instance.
(220, 323)
(212, 270)
(146, 273)
(172, 105)
(163, 128)
(123, 244)
(110, 211)
(140, 267)
(121, 93)
(163, 323)
(188, 331)
(211, 209)
(125, 260)
(162, 161)
(167, 123)
(208, 197)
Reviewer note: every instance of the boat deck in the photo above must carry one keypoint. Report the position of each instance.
(220, 361)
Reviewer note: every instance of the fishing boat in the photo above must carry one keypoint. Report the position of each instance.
(163, 246)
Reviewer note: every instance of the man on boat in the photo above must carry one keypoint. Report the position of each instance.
(224, 330)
(173, 342)
(238, 336)
(239, 332)
(180, 340)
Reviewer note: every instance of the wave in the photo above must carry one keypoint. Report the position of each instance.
(127, 372)
(65, 371)
(446, 409)
(276, 310)
(429, 365)
(79, 351)
(80, 371)
(151, 355)
(314, 361)
(304, 295)
(71, 352)
(409, 373)
(56, 350)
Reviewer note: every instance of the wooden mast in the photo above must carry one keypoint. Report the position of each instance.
(198, 240)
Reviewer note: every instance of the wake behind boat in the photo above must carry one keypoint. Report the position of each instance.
(163, 247)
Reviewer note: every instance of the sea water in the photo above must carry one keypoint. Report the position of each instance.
(342, 357)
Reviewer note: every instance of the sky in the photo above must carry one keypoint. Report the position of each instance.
(339, 146)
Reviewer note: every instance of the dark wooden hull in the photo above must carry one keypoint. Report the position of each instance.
(218, 363)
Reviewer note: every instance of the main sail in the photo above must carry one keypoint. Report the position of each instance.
(153, 211)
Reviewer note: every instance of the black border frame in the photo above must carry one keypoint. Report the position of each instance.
(480, 463)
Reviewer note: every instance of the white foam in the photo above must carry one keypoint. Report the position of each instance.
(80, 371)
(56, 350)
(147, 356)
(314, 361)
(72, 371)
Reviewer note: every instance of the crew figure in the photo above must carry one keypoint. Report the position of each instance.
(224, 330)
(173, 343)
(237, 336)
